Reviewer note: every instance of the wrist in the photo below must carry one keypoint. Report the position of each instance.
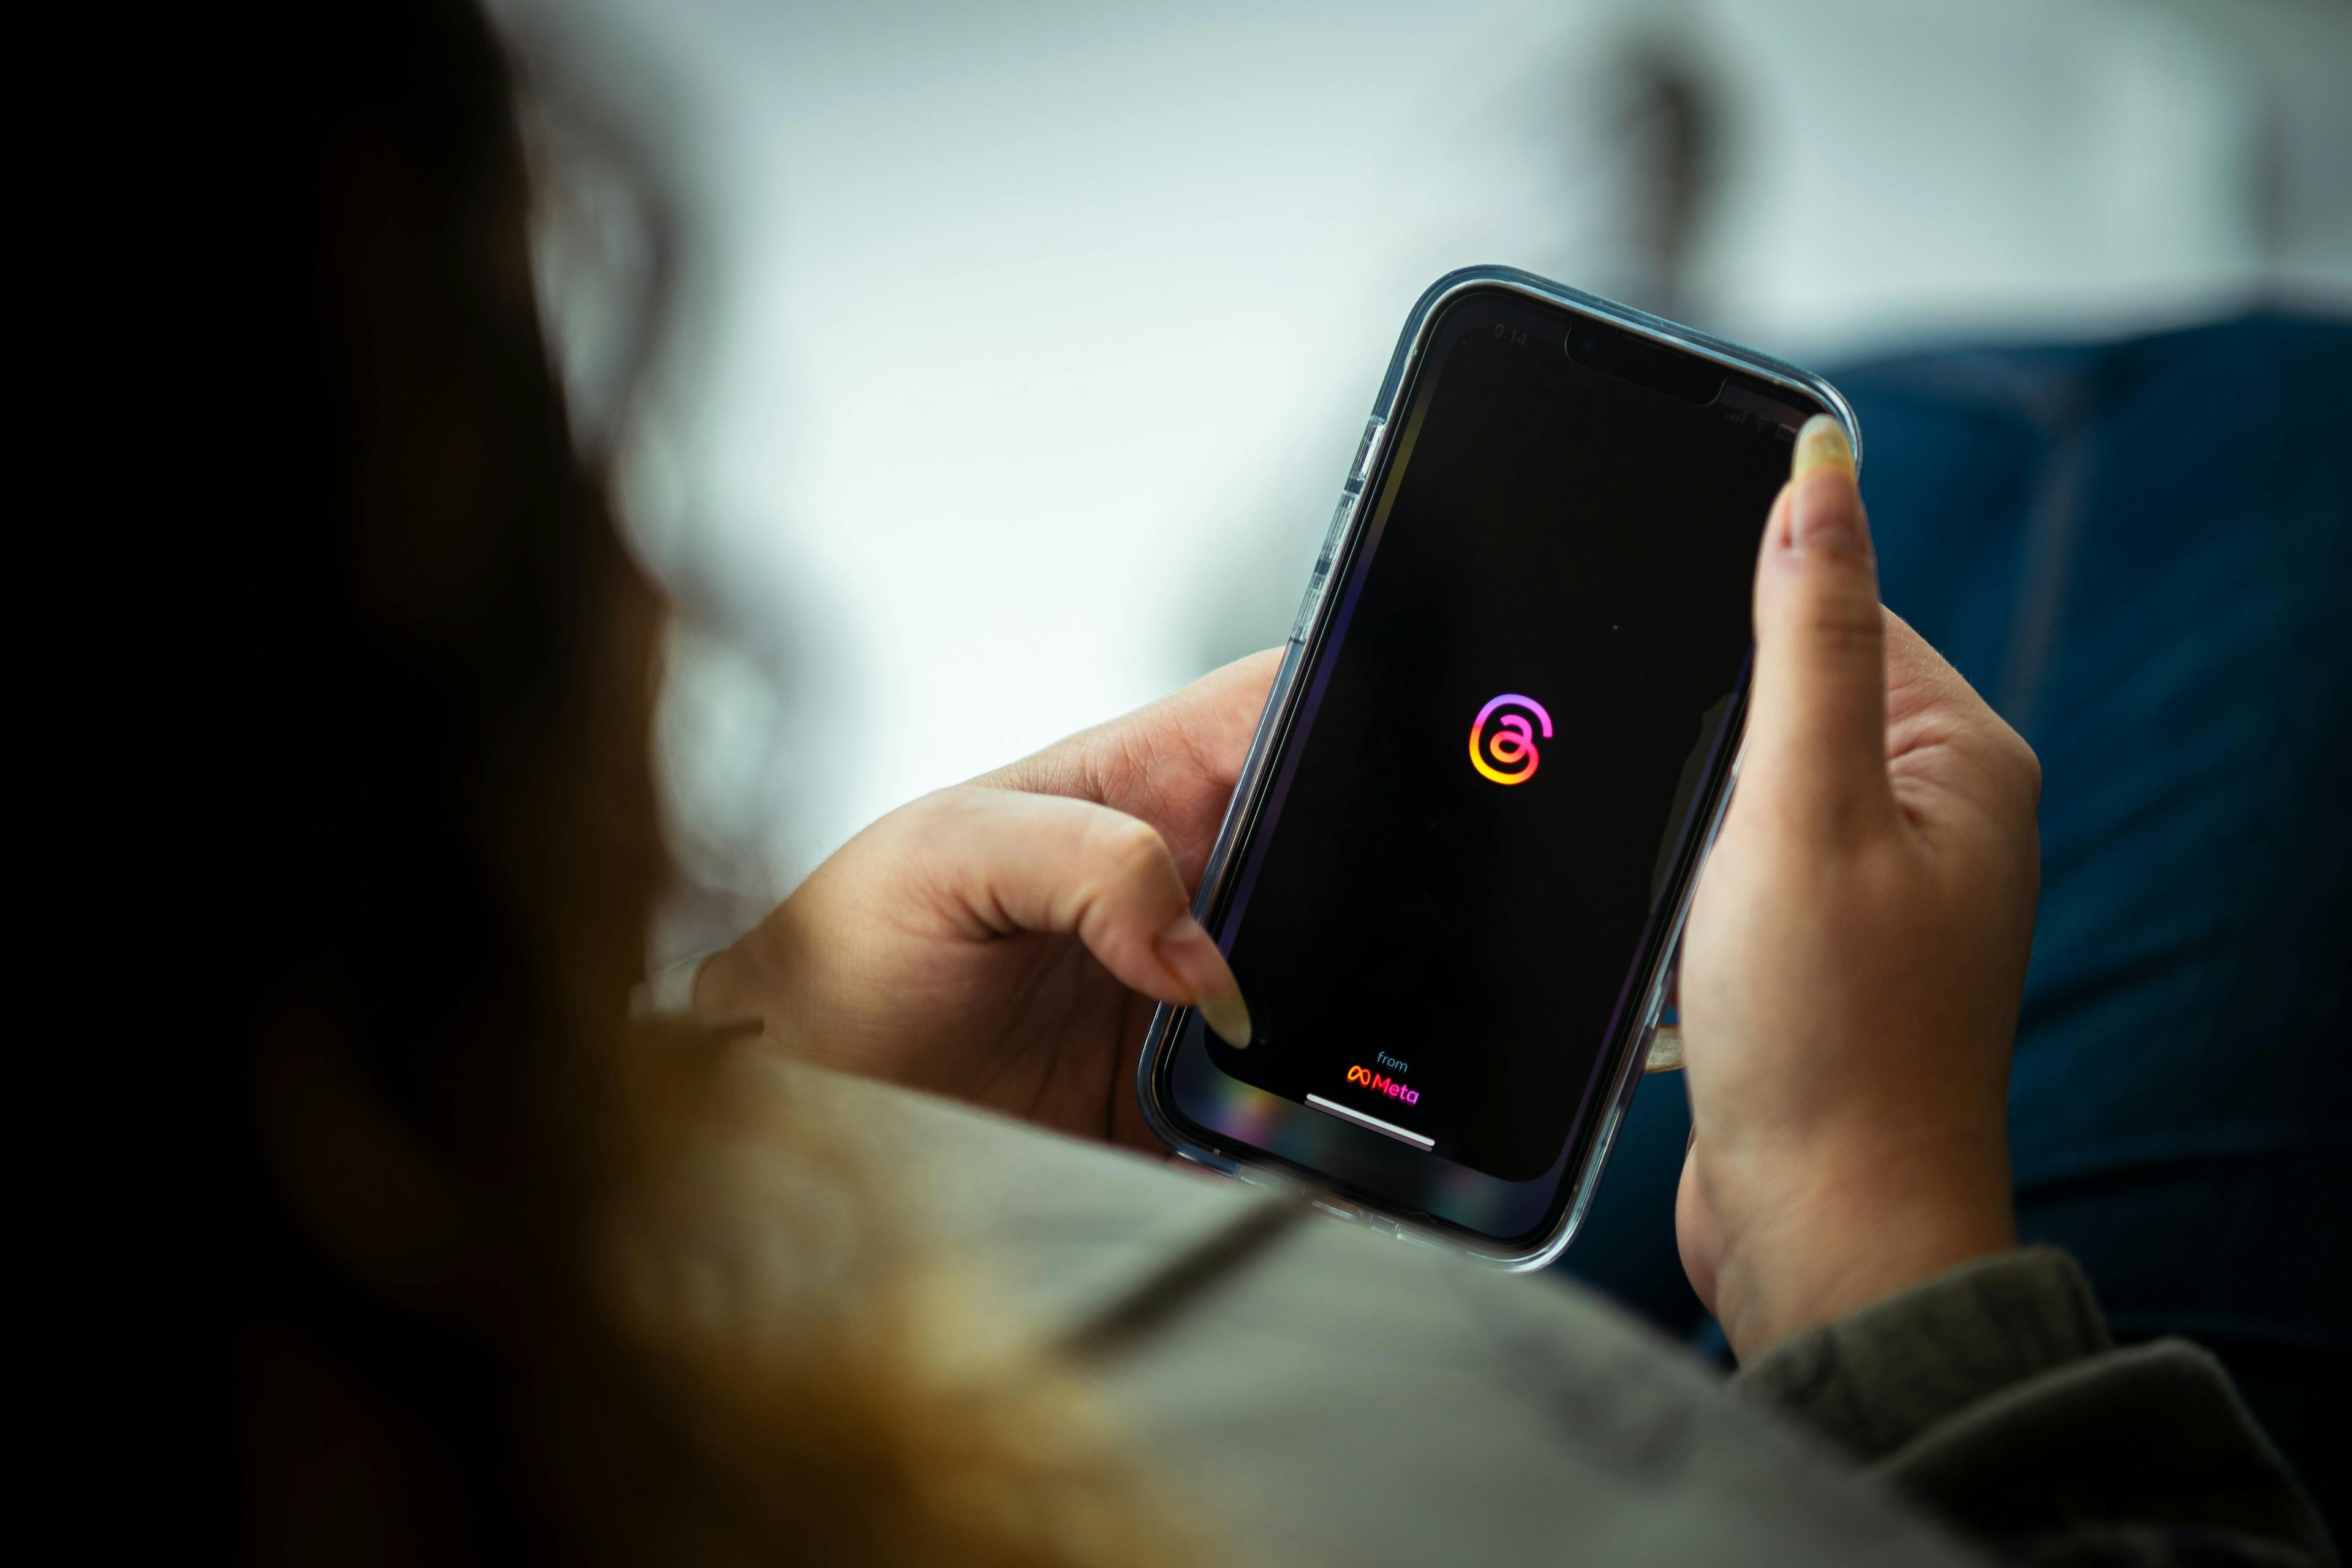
(728, 987)
(739, 988)
(1804, 1248)
(718, 982)
(669, 990)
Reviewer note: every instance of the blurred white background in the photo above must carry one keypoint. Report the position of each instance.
(1013, 352)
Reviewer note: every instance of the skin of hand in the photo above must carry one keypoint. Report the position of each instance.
(1004, 941)
(1856, 948)
(1849, 979)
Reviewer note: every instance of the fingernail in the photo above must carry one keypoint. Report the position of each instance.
(1824, 515)
(1822, 443)
(1186, 948)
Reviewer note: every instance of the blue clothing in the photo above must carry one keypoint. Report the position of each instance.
(2141, 553)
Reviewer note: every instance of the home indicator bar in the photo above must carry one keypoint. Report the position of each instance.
(1374, 1122)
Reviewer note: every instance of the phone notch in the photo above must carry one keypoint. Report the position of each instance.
(1629, 356)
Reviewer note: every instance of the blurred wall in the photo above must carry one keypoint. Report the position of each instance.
(1011, 353)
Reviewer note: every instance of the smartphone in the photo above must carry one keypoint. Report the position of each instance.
(1505, 729)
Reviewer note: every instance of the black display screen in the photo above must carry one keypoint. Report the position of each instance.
(1524, 693)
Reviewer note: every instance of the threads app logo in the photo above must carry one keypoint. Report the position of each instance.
(1508, 755)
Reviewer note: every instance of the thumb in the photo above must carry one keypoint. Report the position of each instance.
(1816, 749)
(1047, 863)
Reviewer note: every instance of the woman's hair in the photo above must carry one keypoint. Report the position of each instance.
(473, 1267)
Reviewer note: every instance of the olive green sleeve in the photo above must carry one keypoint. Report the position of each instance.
(1994, 1397)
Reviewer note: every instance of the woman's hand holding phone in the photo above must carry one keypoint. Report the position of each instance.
(1004, 942)
(1855, 953)
(1849, 980)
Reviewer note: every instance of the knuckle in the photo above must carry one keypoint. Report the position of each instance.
(1844, 626)
(1131, 851)
(930, 822)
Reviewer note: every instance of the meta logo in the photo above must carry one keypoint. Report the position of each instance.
(1508, 756)
(1381, 1083)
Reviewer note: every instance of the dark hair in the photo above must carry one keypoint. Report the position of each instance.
(438, 1202)
(416, 655)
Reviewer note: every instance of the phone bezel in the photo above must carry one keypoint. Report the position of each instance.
(1367, 473)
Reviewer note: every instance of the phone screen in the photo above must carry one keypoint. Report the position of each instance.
(1486, 802)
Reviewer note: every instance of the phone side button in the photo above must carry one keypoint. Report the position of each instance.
(1321, 574)
(1368, 452)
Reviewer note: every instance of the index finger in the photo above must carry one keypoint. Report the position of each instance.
(1164, 760)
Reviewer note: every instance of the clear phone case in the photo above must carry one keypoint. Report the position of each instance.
(1281, 702)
